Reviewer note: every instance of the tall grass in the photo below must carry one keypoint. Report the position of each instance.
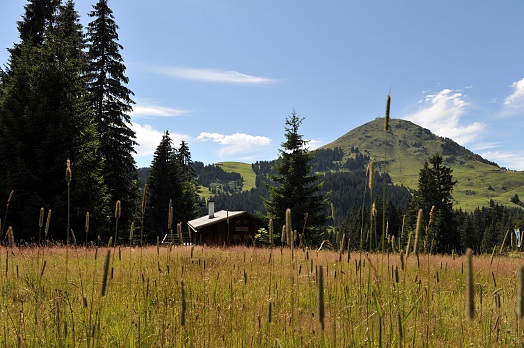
(205, 296)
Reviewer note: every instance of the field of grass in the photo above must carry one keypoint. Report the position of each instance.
(196, 296)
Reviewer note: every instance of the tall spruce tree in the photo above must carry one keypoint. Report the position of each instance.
(190, 201)
(435, 185)
(112, 103)
(36, 22)
(45, 119)
(162, 185)
(297, 187)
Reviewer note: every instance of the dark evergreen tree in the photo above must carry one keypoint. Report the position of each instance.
(190, 201)
(112, 103)
(297, 187)
(435, 185)
(36, 23)
(164, 184)
(45, 119)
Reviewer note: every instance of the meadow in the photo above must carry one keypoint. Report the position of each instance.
(198, 296)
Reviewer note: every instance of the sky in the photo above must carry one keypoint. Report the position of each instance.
(223, 75)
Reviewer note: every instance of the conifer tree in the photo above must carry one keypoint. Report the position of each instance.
(37, 20)
(190, 201)
(112, 103)
(45, 119)
(297, 187)
(162, 187)
(435, 185)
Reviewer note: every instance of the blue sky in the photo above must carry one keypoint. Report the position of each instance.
(224, 74)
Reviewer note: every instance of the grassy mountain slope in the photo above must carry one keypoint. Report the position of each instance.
(403, 150)
(244, 169)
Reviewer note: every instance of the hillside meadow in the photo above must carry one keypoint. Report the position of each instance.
(198, 296)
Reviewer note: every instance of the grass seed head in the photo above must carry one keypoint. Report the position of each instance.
(371, 173)
(417, 231)
(41, 218)
(87, 223)
(47, 223)
(117, 210)
(388, 105)
(10, 197)
(68, 173)
(470, 285)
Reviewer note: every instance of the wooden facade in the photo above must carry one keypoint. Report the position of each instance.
(225, 228)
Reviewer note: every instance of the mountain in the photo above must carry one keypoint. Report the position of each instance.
(403, 149)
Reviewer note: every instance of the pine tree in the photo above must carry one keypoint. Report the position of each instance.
(112, 103)
(45, 119)
(190, 201)
(435, 185)
(163, 185)
(297, 188)
(36, 22)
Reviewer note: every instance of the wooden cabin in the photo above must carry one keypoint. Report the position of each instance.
(225, 227)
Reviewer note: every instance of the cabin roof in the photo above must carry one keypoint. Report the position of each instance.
(219, 216)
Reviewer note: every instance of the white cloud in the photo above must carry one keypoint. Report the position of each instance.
(236, 145)
(515, 102)
(485, 146)
(511, 160)
(145, 110)
(314, 144)
(442, 112)
(213, 75)
(148, 140)
(215, 137)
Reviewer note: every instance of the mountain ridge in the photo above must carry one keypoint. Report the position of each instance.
(403, 149)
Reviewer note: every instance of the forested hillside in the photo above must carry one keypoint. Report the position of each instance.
(344, 176)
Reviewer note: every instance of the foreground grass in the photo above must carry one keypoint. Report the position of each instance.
(210, 297)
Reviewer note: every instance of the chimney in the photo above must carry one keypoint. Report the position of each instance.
(211, 208)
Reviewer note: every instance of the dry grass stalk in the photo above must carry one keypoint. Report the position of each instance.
(269, 312)
(131, 231)
(40, 225)
(289, 229)
(47, 223)
(183, 306)
(118, 210)
(10, 197)
(417, 232)
(321, 306)
(68, 173)
(431, 214)
(388, 107)
(470, 285)
(10, 237)
(106, 271)
(170, 215)
(503, 242)
(370, 172)
(41, 218)
(87, 226)
(144, 195)
(520, 294)
(270, 231)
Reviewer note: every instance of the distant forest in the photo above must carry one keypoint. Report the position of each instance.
(347, 183)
